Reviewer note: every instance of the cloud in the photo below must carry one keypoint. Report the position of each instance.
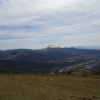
(43, 22)
(84, 40)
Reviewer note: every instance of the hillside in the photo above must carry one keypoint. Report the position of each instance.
(52, 61)
(48, 87)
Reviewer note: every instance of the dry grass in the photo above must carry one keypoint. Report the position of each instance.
(49, 87)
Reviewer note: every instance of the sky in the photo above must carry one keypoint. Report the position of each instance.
(34, 24)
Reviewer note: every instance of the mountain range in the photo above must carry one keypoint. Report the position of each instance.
(51, 61)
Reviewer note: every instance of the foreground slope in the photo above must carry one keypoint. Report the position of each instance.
(49, 87)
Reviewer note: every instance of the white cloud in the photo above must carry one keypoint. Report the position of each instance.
(48, 21)
(84, 40)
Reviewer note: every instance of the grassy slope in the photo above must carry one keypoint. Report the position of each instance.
(49, 87)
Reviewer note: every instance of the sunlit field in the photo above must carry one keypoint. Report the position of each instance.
(49, 87)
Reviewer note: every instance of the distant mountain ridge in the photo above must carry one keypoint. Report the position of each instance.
(34, 55)
(53, 60)
(88, 47)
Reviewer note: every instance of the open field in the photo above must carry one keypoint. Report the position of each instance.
(49, 87)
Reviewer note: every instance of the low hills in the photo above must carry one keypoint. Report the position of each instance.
(52, 61)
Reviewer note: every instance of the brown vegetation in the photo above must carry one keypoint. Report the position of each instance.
(49, 87)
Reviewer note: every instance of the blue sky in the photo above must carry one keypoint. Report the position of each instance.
(34, 24)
